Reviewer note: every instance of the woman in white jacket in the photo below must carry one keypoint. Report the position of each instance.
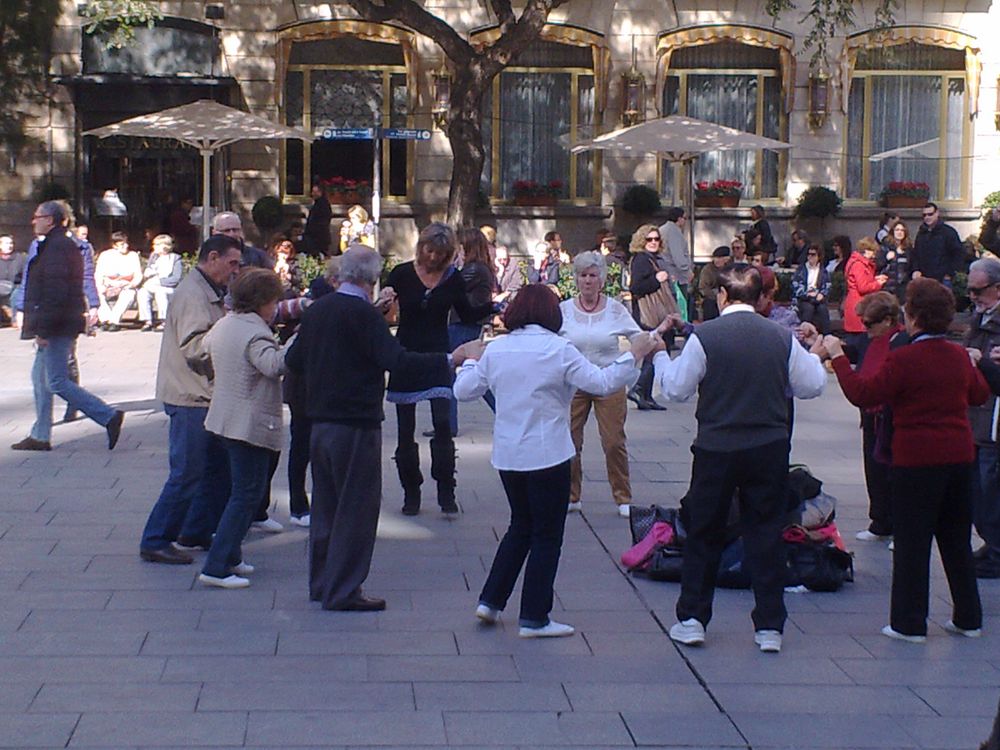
(534, 372)
(246, 413)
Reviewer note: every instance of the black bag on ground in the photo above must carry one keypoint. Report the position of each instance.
(818, 567)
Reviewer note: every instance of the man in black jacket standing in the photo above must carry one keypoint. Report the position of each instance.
(54, 310)
(937, 251)
(317, 231)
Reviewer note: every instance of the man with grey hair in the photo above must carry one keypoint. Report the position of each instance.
(341, 355)
(54, 310)
(230, 224)
(983, 336)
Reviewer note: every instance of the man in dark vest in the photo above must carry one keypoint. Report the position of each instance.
(744, 368)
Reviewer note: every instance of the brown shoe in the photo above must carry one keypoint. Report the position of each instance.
(114, 429)
(30, 444)
(359, 603)
(167, 555)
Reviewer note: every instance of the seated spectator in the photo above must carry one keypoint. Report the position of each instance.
(763, 228)
(286, 265)
(841, 252)
(810, 289)
(738, 247)
(11, 272)
(117, 275)
(797, 252)
(162, 275)
(509, 277)
(708, 281)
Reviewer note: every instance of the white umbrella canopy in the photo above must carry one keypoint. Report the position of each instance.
(678, 139)
(207, 126)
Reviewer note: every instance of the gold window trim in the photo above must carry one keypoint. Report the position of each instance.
(929, 35)
(311, 31)
(564, 34)
(670, 41)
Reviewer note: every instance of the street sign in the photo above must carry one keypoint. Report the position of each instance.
(406, 134)
(348, 134)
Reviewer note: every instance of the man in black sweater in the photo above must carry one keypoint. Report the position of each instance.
(938, 251)
(342, 353)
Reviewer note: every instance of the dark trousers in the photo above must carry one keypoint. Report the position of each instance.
(538, 502)
(858, 342)
(876, 480)
(709, 308)
(817, 313)
(760, 474)
(932, 502)
(347, 494)
(260, 514)
(644, 385)
(249, 466)
(298, 462)
(442, 448)
(986, 499)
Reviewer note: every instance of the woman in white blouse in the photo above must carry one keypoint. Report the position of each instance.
(534, 372)
(594, 323)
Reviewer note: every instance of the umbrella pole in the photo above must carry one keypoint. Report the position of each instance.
(206, 192)
(690, 195)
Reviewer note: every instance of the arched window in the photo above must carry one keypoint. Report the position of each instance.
(552, 90)
(734, 76)
(346, 75)
(909, 92)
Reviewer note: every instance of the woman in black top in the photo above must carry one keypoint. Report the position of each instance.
(426, 290)
(647, 271)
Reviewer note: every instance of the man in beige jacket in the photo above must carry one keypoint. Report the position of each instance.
(196, 491)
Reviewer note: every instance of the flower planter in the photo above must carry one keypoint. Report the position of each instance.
(904, 201)
(716, 201)
(535, 200)
(345, 199)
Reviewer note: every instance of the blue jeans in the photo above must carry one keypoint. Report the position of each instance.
(50, 375)
(249, 468)
(458, 334)
(195, 492)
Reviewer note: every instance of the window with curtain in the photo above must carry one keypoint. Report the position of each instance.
(345, 83)
(905, 120)
(547, 94)
(736, 85)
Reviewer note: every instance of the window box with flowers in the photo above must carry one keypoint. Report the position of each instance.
(531, 193)
(346, 191)
(718, 194)
(905, 194)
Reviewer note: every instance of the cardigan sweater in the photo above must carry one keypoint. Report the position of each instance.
(929, 385)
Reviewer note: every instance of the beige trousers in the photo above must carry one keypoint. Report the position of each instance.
(611, 412)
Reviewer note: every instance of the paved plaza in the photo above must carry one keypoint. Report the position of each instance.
(99, 649)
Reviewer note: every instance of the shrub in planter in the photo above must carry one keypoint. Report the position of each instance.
(53, 191)
(267, 213)
(567, 283)
(960, 288)
(838, 287)
(641, 200)
(818, 202)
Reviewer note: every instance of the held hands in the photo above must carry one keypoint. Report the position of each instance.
(881, 279)
(671, 321)
(644, 344)
(385, 298)
(662, 276)
(807, 334)
(469, 350)
(975, 355)
(833, 347)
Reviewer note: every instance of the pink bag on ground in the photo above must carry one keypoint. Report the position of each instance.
(660, 535)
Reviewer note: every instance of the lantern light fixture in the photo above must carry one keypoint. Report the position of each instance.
(996, 117)
(442, 97)
(819, 96)
(633, 93)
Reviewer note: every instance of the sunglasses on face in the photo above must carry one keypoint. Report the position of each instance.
(927, 216)
(977, 290)
(870, 323)
(652, 239)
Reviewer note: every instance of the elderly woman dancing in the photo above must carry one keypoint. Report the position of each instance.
(593, 322)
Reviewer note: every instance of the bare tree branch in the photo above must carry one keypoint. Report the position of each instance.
(420, 20)
(521, 33)
(505, 13)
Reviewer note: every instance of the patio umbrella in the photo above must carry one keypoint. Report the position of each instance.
(205, 125)
(680, 140)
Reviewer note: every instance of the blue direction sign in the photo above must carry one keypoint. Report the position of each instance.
(349, 134)
(406, 134)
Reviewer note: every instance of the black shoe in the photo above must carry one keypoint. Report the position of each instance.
(104, 326)
(648, 404)
(114, 428)
(185, 543)
(359, 603)
(112, 328)
(634, 396)
(449, 507)
(987, 569)
(146, 328)
(656, 406)
(30, 444)
(411, 510)
(167, 556)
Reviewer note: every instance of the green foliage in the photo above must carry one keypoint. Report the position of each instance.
(829, 18)
(310, 267)
(53, 191)
(189, 261)
(641, 200)
(960, 288)
(992, 200)
(838, 287)
(267, 213)
(567, 282)
(116, 20)
(388, 263)
(784, 291)
(818, 202)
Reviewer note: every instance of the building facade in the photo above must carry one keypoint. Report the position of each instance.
(917, 103)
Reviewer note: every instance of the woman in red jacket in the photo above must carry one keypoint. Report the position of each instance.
(861, 280)
(929, 385)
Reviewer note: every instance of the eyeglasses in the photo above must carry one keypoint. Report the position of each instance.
(36, 217)
(928, 215)
(652, 239)
(977, 290)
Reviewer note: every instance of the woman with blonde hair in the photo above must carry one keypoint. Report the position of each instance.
(357, 228)
(652, 300)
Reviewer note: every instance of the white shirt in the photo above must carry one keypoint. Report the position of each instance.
(812, 278)
(534, 373)
(679, 378)
(596, 334)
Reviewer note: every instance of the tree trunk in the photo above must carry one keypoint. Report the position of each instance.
(465, 134)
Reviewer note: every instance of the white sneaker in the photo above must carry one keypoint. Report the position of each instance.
(229, 582)
(624, 510)
(242, 568)
(574, 507)
(302, 521)
(892, 546)
(552, 630)
(888, 632)
(269, 526)
(768, 640)
(690, 632)
(487, 614)
(867, 536)
(953, 628)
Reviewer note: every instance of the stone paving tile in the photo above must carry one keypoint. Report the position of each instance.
(489, 696)
(640, 697)
(658, 728)
(273, 729)
(129, 621)
(947, 733)
(526, 727)
(210, 644)
(96, 643)
(278, 668)
(835, 700)
(402, 643)
(758, 668)
(656, 667)
(960, 701)
(915, 672)
(173, 729)
(15, 697)
(503, 639)
(115, 698)
(24, 730)
(441, 668)
(821, 731)
(319, 694)
(68, 669)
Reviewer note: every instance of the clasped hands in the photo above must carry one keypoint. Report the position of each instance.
(827, 347)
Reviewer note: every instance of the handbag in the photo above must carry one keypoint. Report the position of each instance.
(6, 287)
(655, 307)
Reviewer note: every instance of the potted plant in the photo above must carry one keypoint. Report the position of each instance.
(899, 194)
(718, 194)
(347, 191)
(641, 200)
(532, 193)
